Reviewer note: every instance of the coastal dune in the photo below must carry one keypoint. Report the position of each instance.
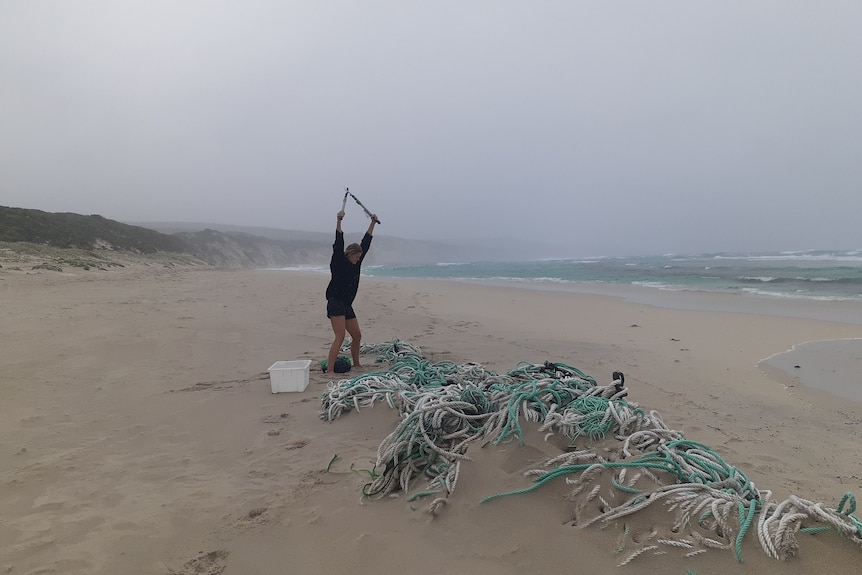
(139, 434)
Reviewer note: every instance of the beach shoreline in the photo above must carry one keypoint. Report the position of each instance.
(831, 366)
(838, 311)
(140, 434)
(805, 307)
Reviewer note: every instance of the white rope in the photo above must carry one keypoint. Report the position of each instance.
(441, 422)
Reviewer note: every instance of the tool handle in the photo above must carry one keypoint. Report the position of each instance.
(367, 212)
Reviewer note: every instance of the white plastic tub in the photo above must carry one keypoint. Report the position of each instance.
(289, 375)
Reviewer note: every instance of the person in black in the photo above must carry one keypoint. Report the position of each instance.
(345, 267)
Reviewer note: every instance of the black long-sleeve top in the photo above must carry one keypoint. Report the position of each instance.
(345, 276)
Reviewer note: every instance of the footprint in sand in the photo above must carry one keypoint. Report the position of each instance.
(256, 515)
(256, 512)
(211, 563)
(275, 418)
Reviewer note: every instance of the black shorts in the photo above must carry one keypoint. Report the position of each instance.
(336, 307)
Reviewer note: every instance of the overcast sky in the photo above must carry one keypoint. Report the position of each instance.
(607, 128)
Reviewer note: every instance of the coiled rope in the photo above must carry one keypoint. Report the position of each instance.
(444, 408)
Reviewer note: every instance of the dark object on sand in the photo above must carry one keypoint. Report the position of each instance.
(342, 365)
(620, 380)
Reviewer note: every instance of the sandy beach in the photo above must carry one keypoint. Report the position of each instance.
(139, 434)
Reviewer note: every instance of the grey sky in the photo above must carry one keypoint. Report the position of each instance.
(607, 128)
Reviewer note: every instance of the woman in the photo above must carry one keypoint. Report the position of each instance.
(345, 267)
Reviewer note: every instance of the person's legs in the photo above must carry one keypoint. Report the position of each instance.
(338, 328)
(352, 326)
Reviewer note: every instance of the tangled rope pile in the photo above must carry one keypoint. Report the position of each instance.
(444, 408)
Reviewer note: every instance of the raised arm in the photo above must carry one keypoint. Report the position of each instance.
(374, 221)
(338, 244)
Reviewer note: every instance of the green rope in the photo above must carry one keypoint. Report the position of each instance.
(331, 461)
(647, 462)
(847, 497)
(594, 424)
(744, 525)
(622, 545)
(814, 530)
(444, 407)
(476, 397)
(624, 488)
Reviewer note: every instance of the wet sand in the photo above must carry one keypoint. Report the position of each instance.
(833, 366)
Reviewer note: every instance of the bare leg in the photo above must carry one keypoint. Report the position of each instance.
(337, 327)
(352, 326)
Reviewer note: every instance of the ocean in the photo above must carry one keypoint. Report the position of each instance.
(805, 284)
(820, 285)
(810, 275)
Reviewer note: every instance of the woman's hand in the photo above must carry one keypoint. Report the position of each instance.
(340, 215)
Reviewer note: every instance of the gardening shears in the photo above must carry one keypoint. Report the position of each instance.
(367, 212)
